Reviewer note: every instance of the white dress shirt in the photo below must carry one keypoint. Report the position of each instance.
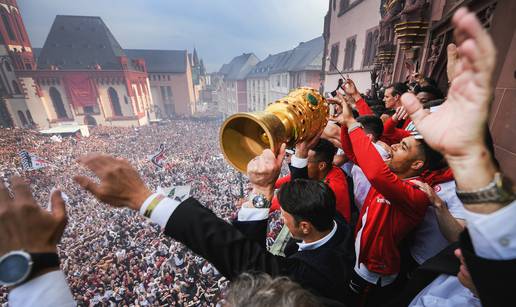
(48, 290)
(493, 237)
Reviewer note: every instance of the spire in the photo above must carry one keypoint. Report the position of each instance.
(195, 57)
(203, 69)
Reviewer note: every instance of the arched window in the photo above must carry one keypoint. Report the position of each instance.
(22, 118)
(115, 102)
(18, 25)
(8, 66)
(57, 101)
(29, 117)
(7, 24)
(16, 88)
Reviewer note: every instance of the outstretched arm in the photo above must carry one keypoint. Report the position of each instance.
(25, 227)
(189, 222)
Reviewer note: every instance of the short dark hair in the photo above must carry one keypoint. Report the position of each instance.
(309, 200)
(372, 124)
(378, 110)
(398, 88)
(325, 151)
(433, 103)
(432, 90)
(433, 159)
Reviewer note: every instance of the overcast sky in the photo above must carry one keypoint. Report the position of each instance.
(219, 29)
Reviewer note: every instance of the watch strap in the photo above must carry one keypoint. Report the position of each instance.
(494, 192)
(42, 261)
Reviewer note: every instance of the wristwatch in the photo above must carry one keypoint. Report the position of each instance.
(496, 191)
(260, 201)
(18, 266)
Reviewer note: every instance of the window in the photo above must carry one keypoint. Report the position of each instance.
(349, 55)
(88, 110)
(334, 56)
(20, 28)
(344, 5)
(370, 48)
(57, 101)
(7, 25)
(115, 102)
(16, 88)
(29, 117)
(22, 118)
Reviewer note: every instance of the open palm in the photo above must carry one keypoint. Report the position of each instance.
(458, 126)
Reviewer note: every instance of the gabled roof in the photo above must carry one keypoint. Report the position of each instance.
(265, 67)
(80, 42)
(160, 61)
(306, 56)
(239, 67)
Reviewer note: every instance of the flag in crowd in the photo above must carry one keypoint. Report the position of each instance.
(178, 193)
(31, 162)
(158, 158)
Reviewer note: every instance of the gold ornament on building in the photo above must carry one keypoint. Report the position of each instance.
(296, 117)
(411, 33)
(386, 54)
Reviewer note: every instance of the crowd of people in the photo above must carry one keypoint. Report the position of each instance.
(105, 253)
(398, 202)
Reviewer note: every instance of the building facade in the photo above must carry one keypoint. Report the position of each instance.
(83, 76)
(16, 55)
(422, 48)
(351, 30)
(232, 91)
(274, 77)
(171, 82)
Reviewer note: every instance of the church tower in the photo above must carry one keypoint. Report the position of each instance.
(14, 37)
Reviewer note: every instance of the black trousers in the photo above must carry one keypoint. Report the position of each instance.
(366, 294)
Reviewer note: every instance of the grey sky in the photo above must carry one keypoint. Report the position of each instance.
(219, 29)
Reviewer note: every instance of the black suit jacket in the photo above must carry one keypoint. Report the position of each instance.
(493, 279)
(444, 262)
(324, 271)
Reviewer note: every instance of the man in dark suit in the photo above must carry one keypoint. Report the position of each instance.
(320, 264)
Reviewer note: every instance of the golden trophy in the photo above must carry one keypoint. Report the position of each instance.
(298, 116)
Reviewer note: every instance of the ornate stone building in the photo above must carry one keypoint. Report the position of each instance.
(83, 76)
(15, 57)
(414, 35)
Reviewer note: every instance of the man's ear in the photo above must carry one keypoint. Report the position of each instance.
(417, 165)
(321, 166)
(305, 227)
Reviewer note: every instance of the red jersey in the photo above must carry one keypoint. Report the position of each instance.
(336, 180)
(391, 134)
(392, 208)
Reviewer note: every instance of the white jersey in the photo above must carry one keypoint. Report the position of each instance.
(428, 239)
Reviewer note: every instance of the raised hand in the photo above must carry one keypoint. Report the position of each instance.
(304, 146)
(24, 225)
(120, 184)
(451, 64)
(457, 128)
(401, 114)
(345, 115)
(263, 171)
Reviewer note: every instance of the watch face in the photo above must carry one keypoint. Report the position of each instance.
(14, 268)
